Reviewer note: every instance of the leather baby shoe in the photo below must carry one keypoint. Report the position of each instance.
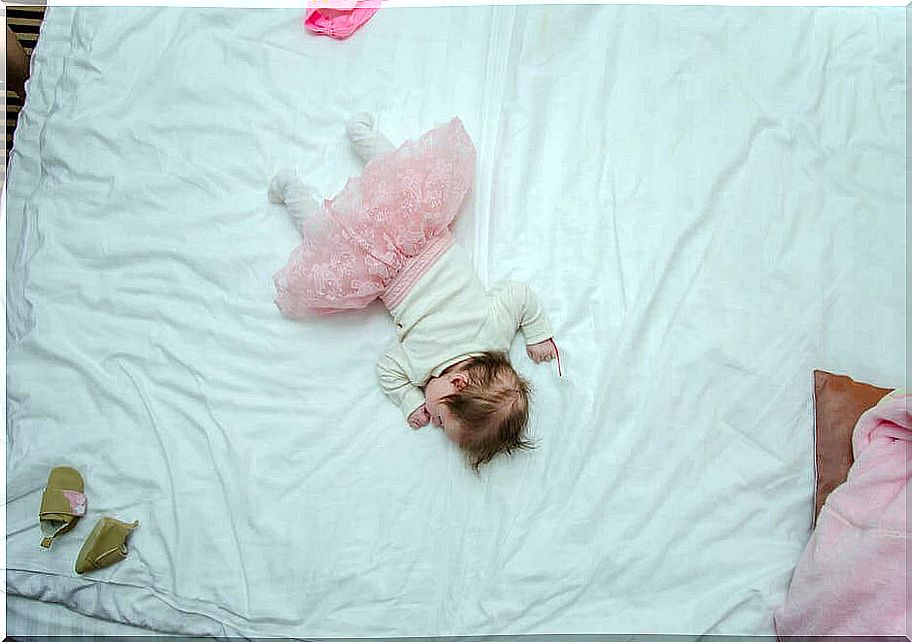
(106, 544)
(62, 503)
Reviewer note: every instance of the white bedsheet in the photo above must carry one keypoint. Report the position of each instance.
(709, 202)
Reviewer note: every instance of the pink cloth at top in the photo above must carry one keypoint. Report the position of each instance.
(851, 578)
(338, 18)
(383, 230)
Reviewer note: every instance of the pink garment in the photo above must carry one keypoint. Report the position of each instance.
(339, 18)
(383, 230)
(77, 501)
(851, 578)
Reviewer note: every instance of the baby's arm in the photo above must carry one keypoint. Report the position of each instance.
(526, 312)
(398, 387)
(529, 317)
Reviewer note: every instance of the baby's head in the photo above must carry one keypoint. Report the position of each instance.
(483, 406)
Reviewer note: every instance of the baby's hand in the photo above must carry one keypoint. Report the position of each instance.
(419, 418)
(542, 351)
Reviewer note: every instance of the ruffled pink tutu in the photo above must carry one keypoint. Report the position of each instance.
(383, 230)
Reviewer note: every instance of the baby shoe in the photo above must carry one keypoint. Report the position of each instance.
(62, 503)
(106, 544)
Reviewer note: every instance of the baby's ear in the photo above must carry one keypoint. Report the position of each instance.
(459, 381)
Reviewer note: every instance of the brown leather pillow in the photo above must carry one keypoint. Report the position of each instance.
(839, 402)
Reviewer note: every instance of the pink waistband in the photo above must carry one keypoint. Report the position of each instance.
(416, 267)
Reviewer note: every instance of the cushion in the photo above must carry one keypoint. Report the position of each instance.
(838, 401)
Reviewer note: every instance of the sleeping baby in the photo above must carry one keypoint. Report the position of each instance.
(386, 236)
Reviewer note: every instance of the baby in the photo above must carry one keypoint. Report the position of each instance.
(386, 236)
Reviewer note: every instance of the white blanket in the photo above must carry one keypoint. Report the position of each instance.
(709, 202)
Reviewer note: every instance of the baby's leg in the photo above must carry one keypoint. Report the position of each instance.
(367, 141)
(300, 200)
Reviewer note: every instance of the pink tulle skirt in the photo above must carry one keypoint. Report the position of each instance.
(383, 230)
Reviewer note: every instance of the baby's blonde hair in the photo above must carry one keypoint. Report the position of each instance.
(492, 409)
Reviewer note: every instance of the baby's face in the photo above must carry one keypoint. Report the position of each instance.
(435, 390)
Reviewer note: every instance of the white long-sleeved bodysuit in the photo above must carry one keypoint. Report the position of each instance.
(448, 316)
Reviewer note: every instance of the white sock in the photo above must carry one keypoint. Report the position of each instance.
(367, 141)
(300, 200)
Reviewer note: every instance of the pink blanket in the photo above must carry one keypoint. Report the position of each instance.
(851, 578)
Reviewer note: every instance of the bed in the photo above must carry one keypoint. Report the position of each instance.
(709, 201)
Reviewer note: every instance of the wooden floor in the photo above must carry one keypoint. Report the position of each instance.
(25, 22)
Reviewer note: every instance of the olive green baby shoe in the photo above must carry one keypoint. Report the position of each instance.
(106, 544)
(62, 503)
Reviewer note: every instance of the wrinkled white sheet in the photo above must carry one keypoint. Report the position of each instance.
(709, 201)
